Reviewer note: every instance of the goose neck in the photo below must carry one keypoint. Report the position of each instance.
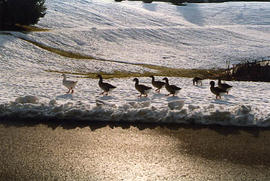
(100, 80)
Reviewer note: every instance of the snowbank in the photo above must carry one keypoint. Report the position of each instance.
(132, 112)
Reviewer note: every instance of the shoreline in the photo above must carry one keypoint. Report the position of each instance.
(93, 125)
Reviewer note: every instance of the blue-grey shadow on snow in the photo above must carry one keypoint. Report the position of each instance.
(173, 98)
(229, 96)
(158, 95)
(6, 37)
(192, 15)
(106, 97)
(142, 99)
(65, 96)
(222, 102)
(150, 7)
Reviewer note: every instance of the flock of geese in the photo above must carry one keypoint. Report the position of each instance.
(222, 88)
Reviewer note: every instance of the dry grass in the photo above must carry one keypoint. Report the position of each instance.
(26, 28)
(189, 73)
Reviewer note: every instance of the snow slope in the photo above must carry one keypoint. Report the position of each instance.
(191, 36)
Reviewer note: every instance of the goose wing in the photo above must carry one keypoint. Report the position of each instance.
(69, 83)
(158, 84)
(107, 86)
(142, 88)
(226, 86)
(217, 90)
(174, 87)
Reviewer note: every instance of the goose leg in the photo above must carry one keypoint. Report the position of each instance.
(72, 91)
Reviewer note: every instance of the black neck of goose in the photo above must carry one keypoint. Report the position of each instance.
(100, 79)
(153, 79)
(136, 82)
(167, 81)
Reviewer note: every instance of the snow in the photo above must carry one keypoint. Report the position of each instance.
(126, 33)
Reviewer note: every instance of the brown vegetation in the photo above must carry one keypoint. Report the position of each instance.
(249, 71)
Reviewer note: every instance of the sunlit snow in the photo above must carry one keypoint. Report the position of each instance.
(191, 36)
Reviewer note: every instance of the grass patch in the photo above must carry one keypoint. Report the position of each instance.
(165, 72)
(60, 52)
(180, 72)
(27, 28)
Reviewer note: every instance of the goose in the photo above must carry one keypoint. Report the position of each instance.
(224, 86)
(157, 84)
(172, 89)
(216, 90)
(106, 87)
(144, 90)
(197, 81)
(69, 84)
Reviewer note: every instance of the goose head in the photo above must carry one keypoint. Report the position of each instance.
(212, 83)
(136, 80)
(99, 76)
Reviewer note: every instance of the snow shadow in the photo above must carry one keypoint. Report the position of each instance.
(245, 146)
(150, 7)
(105, 98)
(65, 96)
(192, 15)
(4, 37)
(173, 98)
(158, 95)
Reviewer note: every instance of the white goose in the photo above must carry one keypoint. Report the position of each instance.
(69, 84)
